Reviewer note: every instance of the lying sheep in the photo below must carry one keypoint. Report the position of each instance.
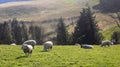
(86, 46)
(30, 42)
(27, 49)
(106, 43)
(48, 45)
(77, 44)
(13, 44)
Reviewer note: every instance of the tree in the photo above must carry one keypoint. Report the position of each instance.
(87, 30)
(115, 37)
(31, 32)
(36, 33)
(6, 34)
(16, 31)
(1, 30)
(25, 34)
(61, 33)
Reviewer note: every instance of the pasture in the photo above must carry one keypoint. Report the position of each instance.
(61, 56)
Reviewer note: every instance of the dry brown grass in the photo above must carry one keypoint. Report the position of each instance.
(39, 10)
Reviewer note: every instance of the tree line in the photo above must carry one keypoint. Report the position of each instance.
(15, 31)
(86, 31)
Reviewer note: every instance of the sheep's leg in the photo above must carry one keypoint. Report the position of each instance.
(51, 47)
(26, 54)
(45, 49)
(30, 53)
(101, 46)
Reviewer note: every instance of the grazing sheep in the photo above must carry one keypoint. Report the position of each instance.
(86, 46)
(13, 44)
(106, 43)
(27, 49)
(48, 45)
(30, 42)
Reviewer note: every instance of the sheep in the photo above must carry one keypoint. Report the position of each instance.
(30, 42)
(27, 49)
(86, 46)
(77, 44)
(13, 44)
(106, 42)
(48, 45)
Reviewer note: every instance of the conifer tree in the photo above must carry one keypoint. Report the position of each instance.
(25, 34)
(1, 32)
(31, 32)
(87, 30)
(6, 33)
(16, 31)
(61, 33)
(36, 33)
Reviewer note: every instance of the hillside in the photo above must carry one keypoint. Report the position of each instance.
(38, 9)
(45, 10)
(110, 6)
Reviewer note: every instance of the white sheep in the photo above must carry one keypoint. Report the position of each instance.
(13, 44)
(27, 49)
(106, 43)
(77, 44)
(48, 45)
(86, 46)
(30, 42)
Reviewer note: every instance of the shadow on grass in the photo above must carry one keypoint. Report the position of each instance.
(44, 51)
(21, 57)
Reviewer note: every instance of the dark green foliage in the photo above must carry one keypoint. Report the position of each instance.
(116, 34)
(61, 33)
(17, 32)
(31, 31)
(5, 33)
(14, 23)
(36, 33)
(1, 30)
(25, 33)
(116, 37)
(86, 30)
(70, 39)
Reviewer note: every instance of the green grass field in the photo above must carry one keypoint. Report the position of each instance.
(61, 56)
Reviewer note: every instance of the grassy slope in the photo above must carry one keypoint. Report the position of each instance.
(41, 10)
(107, 33)
(62, 56)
